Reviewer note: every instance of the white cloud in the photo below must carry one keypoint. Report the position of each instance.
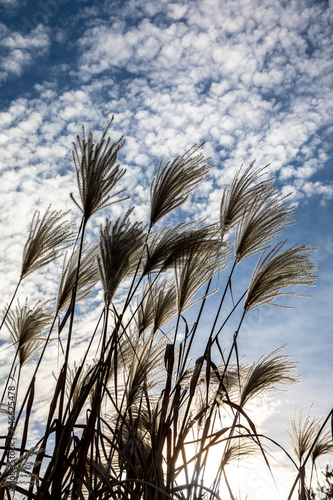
(264, 59)
(20, 51)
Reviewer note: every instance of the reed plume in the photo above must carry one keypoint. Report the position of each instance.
(302, 433)
(142, 359)
(48, 236)
(74, 389)
(121, 244)
(96, 172)
(164, 246)
(88, 277)
(175, 180)
(264, 219)
(26, 327)
(193, 268)
(19, 468)
(157, 307)
(323, 446)
(263, 375)
(240, 448)
(241, 194)
(278, 270)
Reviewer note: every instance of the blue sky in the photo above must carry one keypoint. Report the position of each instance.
(252, 79)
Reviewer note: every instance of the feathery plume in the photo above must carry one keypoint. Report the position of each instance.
(20, 468)
(208, 394)
(263, 375)
(241, 194)
(88, 277)
(80, 382)
(323, 446)
(276, 271)
(120, 246)
(144, 364)
(265, 218)
(193, 268)
(174, 181)
(164, 246)
(48, 236)
(239, 449)
(96, 171)
(302, 434)
(133, 445)
(25, 326)
(157, 307)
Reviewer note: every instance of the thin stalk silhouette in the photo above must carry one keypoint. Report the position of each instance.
(10, 303)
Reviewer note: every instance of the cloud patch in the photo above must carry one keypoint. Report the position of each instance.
(19, 51)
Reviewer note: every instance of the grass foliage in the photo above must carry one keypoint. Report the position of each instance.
(139, 415)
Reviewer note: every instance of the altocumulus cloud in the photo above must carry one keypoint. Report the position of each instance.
(253, 82)
(19, 51)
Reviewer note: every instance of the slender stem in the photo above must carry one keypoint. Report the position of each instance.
(70, 328)
(210, 342)
(223, 297)
(82, 365)
(9, 376)
(36, 370)
(229, 315)
(228, 486)
(10, 303)
(195, 326)
(233, 344)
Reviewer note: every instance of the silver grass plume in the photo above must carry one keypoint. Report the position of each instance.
(144, 317)
(87, 371)
(240, 195)
(120, 248)
(263, 375)
(193, 267)
(175, 180)
(302, 433)
(240, 448)
(164, 246)
(264, 219)
(26, 327)
(143, 361)
(80, 383)
(48, 236)
(96, 171)
(88, 277)
(199, 374)
(157, 307)
(277, 270)
(323, 446)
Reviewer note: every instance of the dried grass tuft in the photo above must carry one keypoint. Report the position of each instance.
(26, 327)
(96, 172)
(48, 236)
(175, 180)
(278, 270)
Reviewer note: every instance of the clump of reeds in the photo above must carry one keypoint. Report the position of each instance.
(137, 417)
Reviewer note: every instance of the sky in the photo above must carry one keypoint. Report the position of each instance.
(253, 80)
